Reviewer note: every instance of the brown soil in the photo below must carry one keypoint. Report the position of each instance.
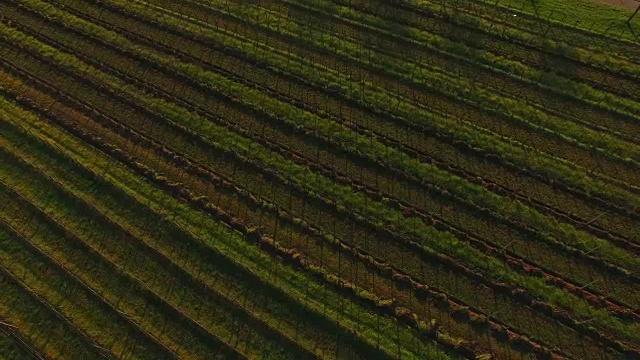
(629, 4)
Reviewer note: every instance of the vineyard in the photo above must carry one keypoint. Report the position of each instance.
(319, 179)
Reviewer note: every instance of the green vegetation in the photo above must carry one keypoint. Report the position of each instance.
(218, 180)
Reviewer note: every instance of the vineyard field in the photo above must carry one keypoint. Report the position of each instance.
(319, 179)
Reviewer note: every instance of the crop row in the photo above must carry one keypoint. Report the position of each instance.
(271, 82)
(157, 165)
(204, 101)
(47, 328)
(218, 156)
(324, 293)
(413, 46)
(414, 74)
(312, 74)
(482, 107)
(273, 78)
(31, 250)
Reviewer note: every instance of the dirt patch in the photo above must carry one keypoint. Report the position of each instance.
(629, 4)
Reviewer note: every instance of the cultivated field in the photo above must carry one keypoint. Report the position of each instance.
(319, 179)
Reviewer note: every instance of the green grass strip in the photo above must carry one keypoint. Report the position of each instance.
(588, 14)
(603, 25)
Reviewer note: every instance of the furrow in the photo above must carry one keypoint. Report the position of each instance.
(328, 160)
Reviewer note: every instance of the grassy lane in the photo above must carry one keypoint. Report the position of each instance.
(608, 23)
(612, 39)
